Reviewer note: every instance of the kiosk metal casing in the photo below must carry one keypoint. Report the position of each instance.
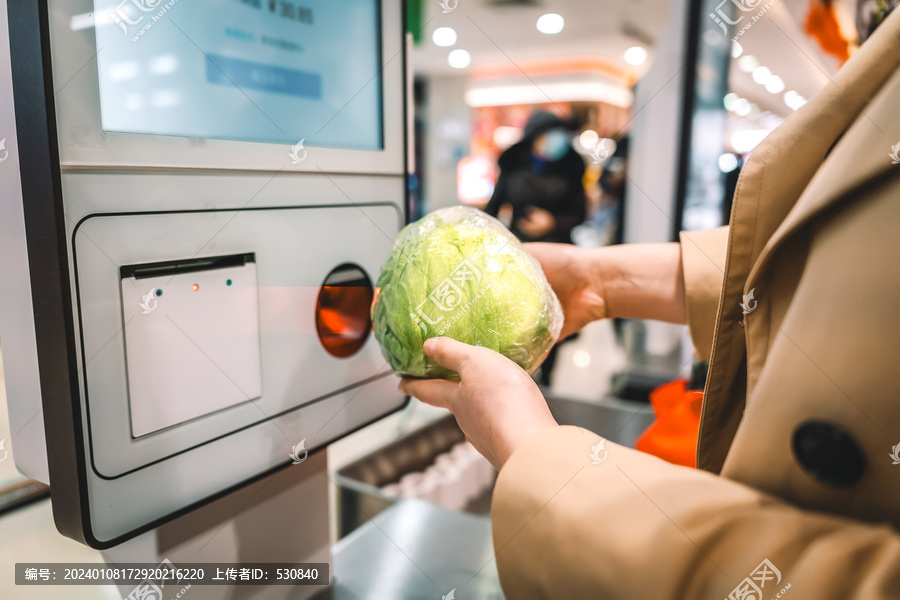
(176, 278)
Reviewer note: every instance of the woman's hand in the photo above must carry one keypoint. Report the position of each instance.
(574, 276)
(496, 403)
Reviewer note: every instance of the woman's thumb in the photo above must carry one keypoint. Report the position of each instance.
(448, 352)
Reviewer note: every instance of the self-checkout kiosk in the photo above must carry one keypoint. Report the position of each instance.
(209, 189)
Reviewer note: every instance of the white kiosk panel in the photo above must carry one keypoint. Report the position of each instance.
(210, 188)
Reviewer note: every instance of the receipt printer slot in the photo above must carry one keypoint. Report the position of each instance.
(192, 343)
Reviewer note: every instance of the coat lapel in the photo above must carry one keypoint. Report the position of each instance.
(860, 156)
(770, 203)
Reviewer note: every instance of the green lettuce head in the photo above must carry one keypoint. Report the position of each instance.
(460, 273)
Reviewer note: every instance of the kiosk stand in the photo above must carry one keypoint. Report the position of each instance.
(209, 189)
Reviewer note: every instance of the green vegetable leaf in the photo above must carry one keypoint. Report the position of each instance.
(460, 273)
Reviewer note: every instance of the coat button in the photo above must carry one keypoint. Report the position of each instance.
(828, 453)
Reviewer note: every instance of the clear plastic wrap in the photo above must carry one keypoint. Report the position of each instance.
(460, 273)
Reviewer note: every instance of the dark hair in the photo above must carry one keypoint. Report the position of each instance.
(542, 121)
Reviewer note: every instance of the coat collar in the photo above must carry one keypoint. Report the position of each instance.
(820, 153)
(861, 155)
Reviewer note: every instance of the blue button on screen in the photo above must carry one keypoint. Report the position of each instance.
(246, 74)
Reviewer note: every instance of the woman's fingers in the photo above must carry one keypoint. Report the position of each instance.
(449, 353)
(436, 392)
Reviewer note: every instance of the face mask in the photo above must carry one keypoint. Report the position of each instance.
(556, 144)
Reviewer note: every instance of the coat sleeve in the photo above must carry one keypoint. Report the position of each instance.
(633, 526)
(703, 262)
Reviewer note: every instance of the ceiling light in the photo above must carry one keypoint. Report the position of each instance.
(459, 59)
(550, 23)
(588, 139)
(769, 121)
(794, 100)
(753, 114)
(775, 84)
(636, 55)
(728, 162)
(568, 91)
(729, 101)
(581, 358)
(736, 49)
(761, 75)
(505, 136)
(747, 139)
(444, 36)
(747, 63)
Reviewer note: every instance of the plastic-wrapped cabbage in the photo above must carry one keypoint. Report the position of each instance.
(460, 273)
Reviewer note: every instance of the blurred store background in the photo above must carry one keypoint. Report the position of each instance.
(669, 97)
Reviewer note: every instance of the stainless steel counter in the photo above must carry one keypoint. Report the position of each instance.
(417, 550)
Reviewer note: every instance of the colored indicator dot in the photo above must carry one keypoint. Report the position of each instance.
(195, 287)
(159, 292)
(228, 282)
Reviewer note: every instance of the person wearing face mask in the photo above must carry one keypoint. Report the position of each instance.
(541, 182)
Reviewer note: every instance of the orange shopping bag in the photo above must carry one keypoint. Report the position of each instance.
(673, 436)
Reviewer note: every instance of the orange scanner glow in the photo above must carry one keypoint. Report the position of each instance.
(343, 316)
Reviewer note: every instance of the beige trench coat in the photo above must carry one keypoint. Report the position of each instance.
(798, 493)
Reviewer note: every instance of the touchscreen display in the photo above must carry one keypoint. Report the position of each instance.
(276, 71)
